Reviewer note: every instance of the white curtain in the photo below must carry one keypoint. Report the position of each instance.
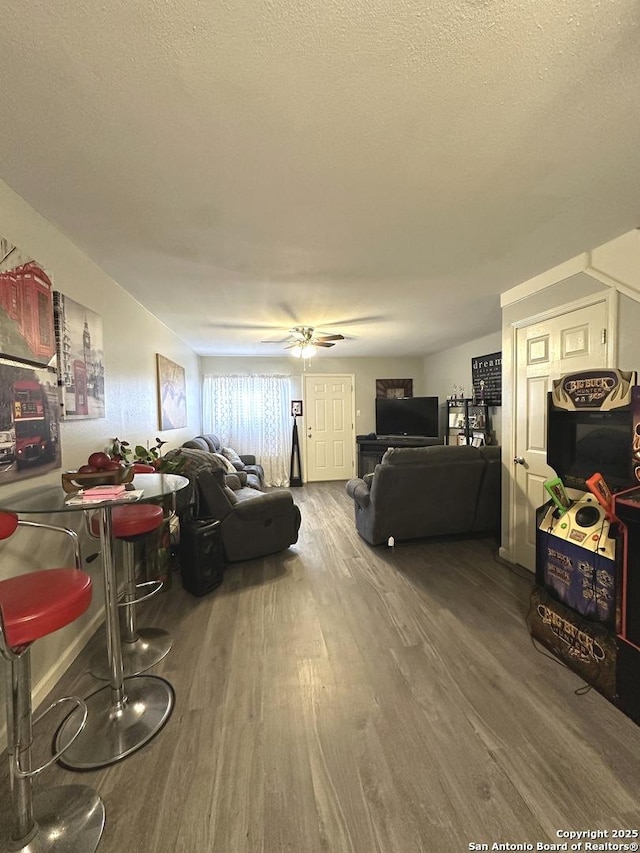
(252, 414)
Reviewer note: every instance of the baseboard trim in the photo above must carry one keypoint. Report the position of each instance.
(505, 554)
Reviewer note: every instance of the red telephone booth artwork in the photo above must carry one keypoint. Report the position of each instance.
(80, 387)
(26, 313)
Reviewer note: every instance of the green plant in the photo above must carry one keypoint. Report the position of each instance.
(121, 449)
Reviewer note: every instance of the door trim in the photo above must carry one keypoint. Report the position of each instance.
(352, 378)
(509, 362)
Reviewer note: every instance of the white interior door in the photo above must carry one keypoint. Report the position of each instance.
(329, 430)
(546, 350)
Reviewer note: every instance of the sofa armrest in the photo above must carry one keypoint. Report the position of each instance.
(248, 458)
(263, 506)
(235, 481)
(359, 491)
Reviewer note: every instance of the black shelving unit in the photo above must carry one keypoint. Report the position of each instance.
(467, 422)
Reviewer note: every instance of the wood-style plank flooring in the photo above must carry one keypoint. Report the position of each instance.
(338, 698)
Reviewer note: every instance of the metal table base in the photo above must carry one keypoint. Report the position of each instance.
(114, 731)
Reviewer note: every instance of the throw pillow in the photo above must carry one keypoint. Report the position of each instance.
(230, 454)
(224, 463)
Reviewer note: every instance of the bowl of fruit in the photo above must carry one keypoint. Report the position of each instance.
(99, 470)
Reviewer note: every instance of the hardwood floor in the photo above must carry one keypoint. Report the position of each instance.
(338, 698)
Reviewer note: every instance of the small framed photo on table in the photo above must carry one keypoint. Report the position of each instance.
(296, 408)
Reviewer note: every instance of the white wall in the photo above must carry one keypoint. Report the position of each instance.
(365, 371)
(443, 370)
(132, 337)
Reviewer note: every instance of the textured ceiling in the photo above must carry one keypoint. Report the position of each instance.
(380, 169)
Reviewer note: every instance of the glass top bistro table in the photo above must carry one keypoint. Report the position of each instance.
(126, 713)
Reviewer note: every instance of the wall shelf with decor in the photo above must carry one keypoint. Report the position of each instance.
(467, 422)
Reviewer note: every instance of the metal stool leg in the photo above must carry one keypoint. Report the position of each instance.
(127, 713)
(141, 648)
(69, 818)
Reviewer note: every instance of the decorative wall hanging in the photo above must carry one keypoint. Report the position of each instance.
(394, 387)
(26, 307)
(172, 394)
(29, 421)
(486, 375)
(80, 352)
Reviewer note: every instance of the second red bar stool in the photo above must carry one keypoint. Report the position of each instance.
(142, 648)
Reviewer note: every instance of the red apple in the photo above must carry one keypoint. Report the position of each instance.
(87, 469)
(99, 460)
(112, 465)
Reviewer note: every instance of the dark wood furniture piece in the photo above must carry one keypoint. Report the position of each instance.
(372, 449)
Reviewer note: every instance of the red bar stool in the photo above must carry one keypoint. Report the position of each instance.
(69, 818)
(142, 648)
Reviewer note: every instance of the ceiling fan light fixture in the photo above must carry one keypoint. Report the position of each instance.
(304, 343)
(303, 349)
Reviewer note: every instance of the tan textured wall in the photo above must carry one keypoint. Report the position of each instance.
(132, 337)
(364, 370)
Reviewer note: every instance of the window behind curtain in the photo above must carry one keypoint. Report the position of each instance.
(251, 414)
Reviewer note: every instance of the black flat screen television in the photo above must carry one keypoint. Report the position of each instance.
(407, 416)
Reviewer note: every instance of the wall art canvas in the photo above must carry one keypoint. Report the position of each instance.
(398, 388)
(29, 421)
(486, 375)
(172, 394)
(80, 352)
(26, 307)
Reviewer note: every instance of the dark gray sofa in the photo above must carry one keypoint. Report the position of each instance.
(244, 463)
(429, 491)
(254, 522)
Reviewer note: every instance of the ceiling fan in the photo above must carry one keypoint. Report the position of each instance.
(303, 342)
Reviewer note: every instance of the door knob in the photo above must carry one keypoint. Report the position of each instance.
(519, 460)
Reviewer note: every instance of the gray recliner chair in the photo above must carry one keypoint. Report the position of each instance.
(253, 523)
(429, 491)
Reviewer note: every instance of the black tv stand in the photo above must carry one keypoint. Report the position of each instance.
(412, 440)
(372, 449)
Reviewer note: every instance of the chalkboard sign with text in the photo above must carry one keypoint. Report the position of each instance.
(486, 376)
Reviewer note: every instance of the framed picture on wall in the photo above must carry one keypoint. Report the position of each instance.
(486, 374)
(394, 387)
(80, 359)
(29, 421)
(26, 307)
(172, 394)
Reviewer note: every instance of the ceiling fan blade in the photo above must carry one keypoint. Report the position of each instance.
(279, 341)
(330, 338)
(317, 343)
